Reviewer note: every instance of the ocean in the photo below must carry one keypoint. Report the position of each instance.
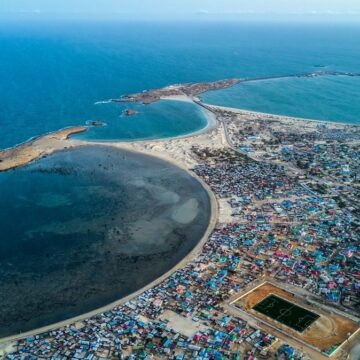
(52, 73)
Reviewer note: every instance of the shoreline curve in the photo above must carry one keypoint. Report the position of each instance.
(42, 145)
(214, 206)
(37, 147)
(253, 112)
(214, 210)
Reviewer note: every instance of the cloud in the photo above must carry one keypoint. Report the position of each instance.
(203, 12)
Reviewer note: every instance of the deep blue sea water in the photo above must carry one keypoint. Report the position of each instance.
(53, 73)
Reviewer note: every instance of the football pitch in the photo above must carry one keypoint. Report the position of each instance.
(286, 312)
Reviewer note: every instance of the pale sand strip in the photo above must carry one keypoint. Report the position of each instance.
(277, 116)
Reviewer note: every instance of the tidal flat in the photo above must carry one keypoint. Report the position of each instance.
(84, 227)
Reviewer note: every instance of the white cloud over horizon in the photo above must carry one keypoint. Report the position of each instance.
(163, 8)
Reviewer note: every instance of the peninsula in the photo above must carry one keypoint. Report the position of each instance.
(194, 89)
(34, 149)
(191, 89)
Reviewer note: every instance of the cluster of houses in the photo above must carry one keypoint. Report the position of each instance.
(293, 234)
(326, 154)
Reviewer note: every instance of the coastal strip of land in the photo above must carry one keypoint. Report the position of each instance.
(190, 89)
(24, 153)
(194, 89)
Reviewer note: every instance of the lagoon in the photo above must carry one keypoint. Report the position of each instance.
(85, 227)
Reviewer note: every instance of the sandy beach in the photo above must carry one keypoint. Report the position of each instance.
(279, 117)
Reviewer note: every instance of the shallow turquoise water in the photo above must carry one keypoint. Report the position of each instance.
(158, 120)
(322, 98)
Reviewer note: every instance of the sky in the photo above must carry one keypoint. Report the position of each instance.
(178, 8)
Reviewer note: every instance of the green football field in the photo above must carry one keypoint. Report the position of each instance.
(286, 313)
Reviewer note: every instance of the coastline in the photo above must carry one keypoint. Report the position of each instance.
(41, 145)
(277, 116)
(37, 147)
(54, 142)
(23, 153)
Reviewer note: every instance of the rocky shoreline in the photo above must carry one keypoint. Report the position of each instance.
(23, 154)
